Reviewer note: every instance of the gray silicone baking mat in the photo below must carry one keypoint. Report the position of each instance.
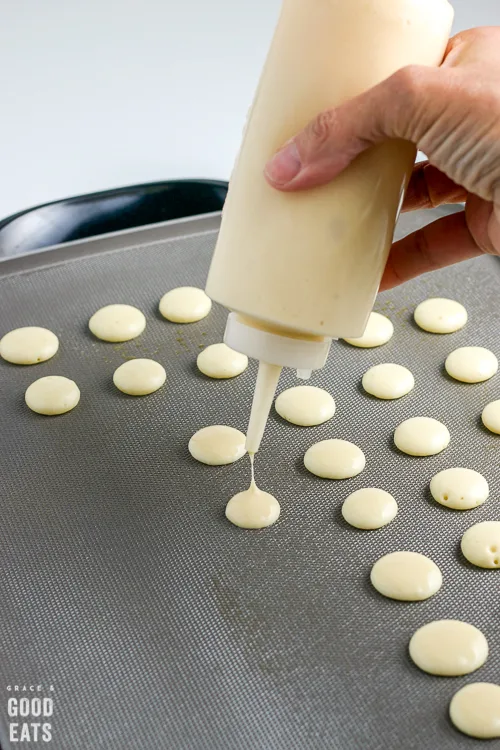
(156, 622)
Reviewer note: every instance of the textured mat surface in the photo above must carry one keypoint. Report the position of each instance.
(158, 624)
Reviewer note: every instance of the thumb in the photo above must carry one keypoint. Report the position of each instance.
(402, 106)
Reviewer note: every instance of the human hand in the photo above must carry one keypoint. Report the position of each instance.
(452, 113)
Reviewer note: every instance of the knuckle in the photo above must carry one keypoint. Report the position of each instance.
(479, 97)
(411, 89)
(479, 215)
(319, 131)
(423, 250)
(408, 82)
(487, 100)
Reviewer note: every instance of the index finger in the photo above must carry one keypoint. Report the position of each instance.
(439, 244)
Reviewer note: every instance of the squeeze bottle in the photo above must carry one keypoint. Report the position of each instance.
(297, 270)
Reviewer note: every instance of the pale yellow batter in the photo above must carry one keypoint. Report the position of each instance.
(448, 648)
(388, 381)
(139, 377)
(407, 576)
(481, 544)
(460, 489)
(221, 362)
(186, 304)
(52, 395)
(334, 459)
(491, 417)
(475, 710)
(217, 445)
(369, 508)
(440, 315)
(253, 508)
(117, 323)
(421, 436)
(471, 364)
(378, 331)
(305, 405)
(28, 346)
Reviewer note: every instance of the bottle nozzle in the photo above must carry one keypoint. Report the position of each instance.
(304, 374)
(265, 388)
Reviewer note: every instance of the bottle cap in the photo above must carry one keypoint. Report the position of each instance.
(303, 355)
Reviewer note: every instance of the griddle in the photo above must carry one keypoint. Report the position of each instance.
(156, 622)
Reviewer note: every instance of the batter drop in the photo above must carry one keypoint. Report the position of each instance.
(421, 436)
(139, 377)
(369, 508)
(475, 710)
(52, 395)
(471, 364)
(334, 459)
(217, 445)
(378, 331)
(491, 417)
(448, 648)
(388, 381)
(407, 576)
(117, 323)
(305, 405)
(460, 489)
(221, 362)
(253, 508)
(481, 544)
(440, 315)
(28, 346)
(186, 304)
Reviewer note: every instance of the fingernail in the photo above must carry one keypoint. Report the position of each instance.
(284, 166)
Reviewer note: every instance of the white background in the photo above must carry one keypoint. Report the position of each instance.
(103, 93)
